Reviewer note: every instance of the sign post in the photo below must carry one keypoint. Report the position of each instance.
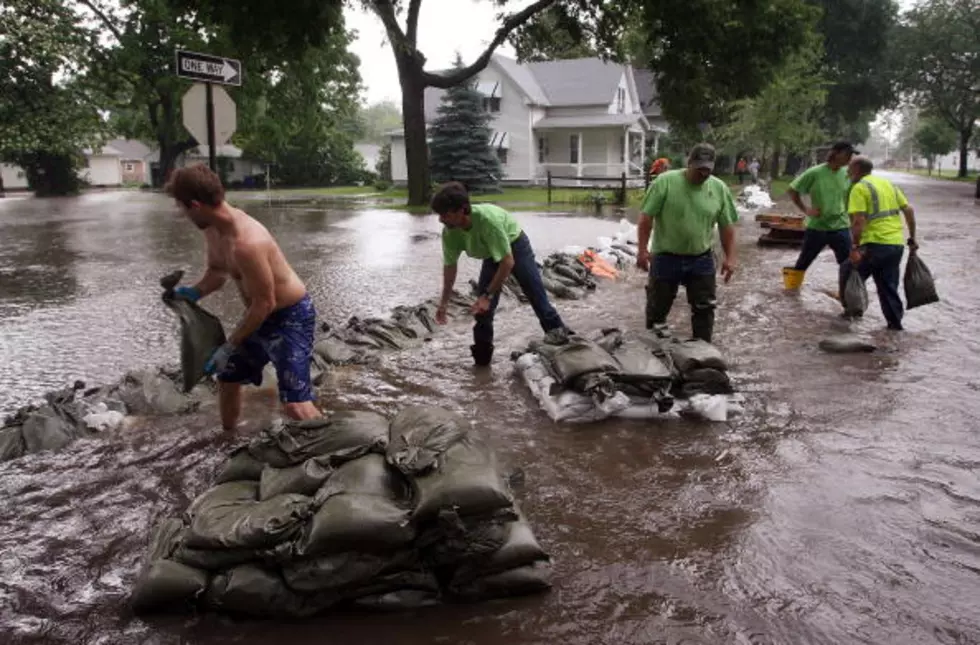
(209, 69)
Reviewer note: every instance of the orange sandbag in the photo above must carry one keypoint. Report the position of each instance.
(596, 265)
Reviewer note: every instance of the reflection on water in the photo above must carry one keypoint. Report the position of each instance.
(840, 508)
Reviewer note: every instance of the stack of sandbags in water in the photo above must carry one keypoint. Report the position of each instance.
(471, 533)
(624, 374)
(363, 340)
(564, 276)
(78, 411)
(318, 514)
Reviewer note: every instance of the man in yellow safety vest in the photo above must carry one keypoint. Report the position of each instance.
(876, 207)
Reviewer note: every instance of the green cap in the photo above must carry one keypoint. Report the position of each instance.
(702, 156)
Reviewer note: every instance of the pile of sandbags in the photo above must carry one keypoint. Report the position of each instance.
(77, 411)
(349, 509)
(626, 374)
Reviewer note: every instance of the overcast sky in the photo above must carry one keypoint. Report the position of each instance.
(445, 26)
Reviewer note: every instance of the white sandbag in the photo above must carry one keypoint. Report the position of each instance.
(101, 418)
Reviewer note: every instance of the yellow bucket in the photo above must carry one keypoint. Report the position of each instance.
(792, 278)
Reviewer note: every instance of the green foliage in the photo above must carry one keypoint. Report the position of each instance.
(933, 137)
(705, 53)
(45, 122)
(302, 117)
(784, 116)
(941, 63)
(857, 37)
(383, 166)
(377, 119)
(460, 146)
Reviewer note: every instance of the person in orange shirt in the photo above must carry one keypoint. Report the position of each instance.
(659, 166)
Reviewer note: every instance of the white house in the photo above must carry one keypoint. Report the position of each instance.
(573, 118)
(13, 177)
(237, 166)
(370, 153)
(102, 167)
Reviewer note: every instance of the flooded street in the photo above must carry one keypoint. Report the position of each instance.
(842, 507)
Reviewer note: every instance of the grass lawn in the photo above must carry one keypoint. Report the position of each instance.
(947, 174)
(533, 195)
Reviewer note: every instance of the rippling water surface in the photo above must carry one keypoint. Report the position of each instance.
(842, 507)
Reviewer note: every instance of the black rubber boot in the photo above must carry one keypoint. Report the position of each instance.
(482, 353)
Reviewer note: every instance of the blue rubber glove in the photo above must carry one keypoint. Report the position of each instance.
(219, 359)
(190, 293)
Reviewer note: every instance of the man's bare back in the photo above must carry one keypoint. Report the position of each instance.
(249, 240)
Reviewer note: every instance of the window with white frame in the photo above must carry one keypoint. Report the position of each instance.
(129, 166)
(542, 149)
(502, 155)
(573, 149)
(622, 149)
(621, 99)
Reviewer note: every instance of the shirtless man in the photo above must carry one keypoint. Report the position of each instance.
(279, 320)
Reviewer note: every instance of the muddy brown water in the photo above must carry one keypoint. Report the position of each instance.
(842, 507)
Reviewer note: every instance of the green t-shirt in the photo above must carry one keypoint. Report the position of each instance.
(492, 232)
(828, 193)
(684, 215)
(880, 230)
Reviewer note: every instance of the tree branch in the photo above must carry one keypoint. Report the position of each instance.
(385, 10)
(105, 19)
(412, 27)
(510, 24)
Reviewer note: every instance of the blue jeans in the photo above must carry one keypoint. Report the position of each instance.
(528, 275)
(883, 263)
(814, 242)
(697, 273)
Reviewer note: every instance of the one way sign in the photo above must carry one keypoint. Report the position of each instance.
(210, 69)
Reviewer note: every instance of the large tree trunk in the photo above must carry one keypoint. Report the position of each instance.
(964, 149)
(774, 168)
(416, 146)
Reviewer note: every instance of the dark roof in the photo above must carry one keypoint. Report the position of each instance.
(646, 89)
(577, 81)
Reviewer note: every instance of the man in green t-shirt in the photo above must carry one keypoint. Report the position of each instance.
(489, 233)
(827, 222)
(682, 208)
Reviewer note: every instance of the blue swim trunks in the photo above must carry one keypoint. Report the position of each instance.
(285, 339)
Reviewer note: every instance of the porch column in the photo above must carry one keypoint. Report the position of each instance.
(656, 143)
(626, 150)
(579, 169)
(643, 152)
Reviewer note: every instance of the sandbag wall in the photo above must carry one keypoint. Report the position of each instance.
(621, 374)
(350, 509)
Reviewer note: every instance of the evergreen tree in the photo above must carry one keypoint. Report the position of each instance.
(460, 146)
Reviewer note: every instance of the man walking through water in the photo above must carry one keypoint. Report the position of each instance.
(876, 207)
(489, 233)
(279, 320)
(681, 209)
(827, 222)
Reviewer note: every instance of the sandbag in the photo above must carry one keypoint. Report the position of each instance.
(252, 590)
(240, 466)
(706, 380)
(335, 352)
(525, 580)
(636, 359)
(577, 357)
(920, 288)
(153, 392)
(45, 430)
(451, 539)
(419, 434)
(200, 332)
(363, 506)
(846, 344)
(229, 516)
(350, 570)
(304, 479)
(855, 296)
(466, 478)
(164, 584)
(693, 354)
(519, 549)
(341, 436)
(11, 443)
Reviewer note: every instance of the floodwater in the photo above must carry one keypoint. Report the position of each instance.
(842, 507)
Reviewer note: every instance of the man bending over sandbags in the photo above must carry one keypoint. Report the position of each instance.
(280, 319)
(489, 233)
